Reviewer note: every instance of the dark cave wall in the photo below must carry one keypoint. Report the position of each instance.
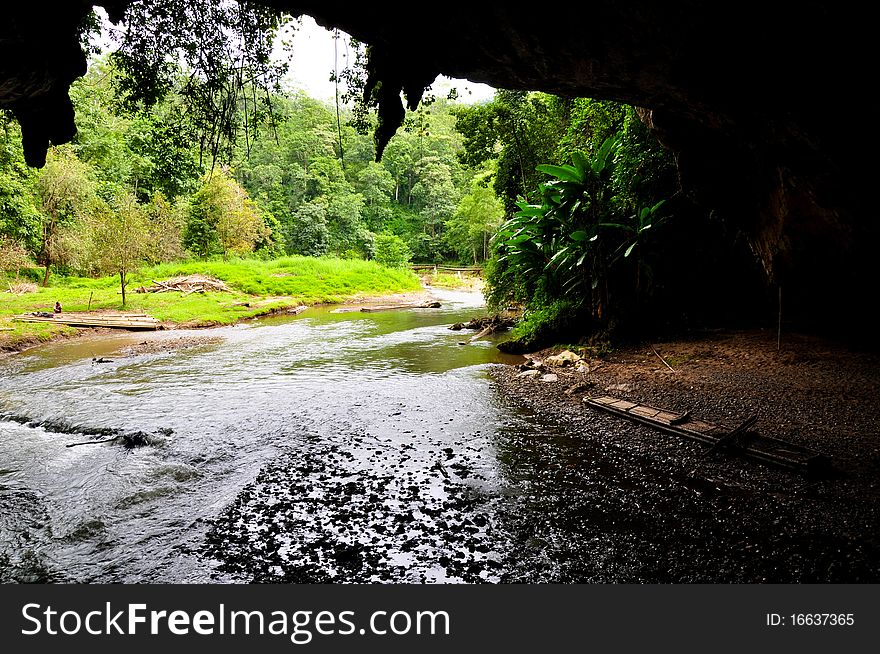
(758, 101)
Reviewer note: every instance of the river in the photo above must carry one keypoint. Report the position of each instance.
(322, 447)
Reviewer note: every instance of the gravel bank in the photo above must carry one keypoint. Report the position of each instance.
(639, 505)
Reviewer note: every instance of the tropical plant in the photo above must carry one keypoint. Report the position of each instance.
(559, 239)
(571, 241)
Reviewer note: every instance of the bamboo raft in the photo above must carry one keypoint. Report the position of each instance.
(744, 441)
(114, 320)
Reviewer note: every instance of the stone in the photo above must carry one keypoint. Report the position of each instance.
(621, 388)
(529, 373)
(564, 358)
(550, 377)
(579, 388)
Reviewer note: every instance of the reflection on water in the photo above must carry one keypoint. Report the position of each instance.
(109, 513)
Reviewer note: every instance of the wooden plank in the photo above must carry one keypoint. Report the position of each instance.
(699, 426)
(645, 411)
(119, 321)
(752, 445)
(667, 416)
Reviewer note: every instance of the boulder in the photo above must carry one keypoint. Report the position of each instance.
(564, 358)
(529, 373)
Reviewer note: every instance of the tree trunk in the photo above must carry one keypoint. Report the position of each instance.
(46, 276)
(122, 284)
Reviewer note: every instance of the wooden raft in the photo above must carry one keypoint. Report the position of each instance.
(114, 320)
(750, 444)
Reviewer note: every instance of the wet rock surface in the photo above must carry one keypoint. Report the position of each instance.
(96, 435)
(165, 345)
(563, 494)
(321, 515)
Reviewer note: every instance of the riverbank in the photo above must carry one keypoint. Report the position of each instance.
(738, 520)
(256, 288)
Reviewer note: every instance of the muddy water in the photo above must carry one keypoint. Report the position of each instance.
(327, 446)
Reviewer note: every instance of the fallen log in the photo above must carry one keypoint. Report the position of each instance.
(395, 307)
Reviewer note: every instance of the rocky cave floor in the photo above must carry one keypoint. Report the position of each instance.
(581, 496)
(683, 513)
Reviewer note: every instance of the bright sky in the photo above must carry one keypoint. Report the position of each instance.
(313, 62)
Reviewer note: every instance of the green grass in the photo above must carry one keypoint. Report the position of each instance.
(265, 285)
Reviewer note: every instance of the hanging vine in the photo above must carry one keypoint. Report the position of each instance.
(217, 57)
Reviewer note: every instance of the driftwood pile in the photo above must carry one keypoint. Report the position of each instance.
(20, 288)
(186, 284)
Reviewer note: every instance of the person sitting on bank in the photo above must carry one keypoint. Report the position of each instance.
(57, 307)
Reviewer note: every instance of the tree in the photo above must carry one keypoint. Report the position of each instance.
(476, 219)
(222, 218)
(146, 149)
(306, 232)
(226, 50)
(518, 131)
(20, 218)
(376, 185)
(13, 255)
(67, 195)
(391, 251)
(120, 239)
(164, 226)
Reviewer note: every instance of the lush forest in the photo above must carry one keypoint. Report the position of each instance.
(305, 183)
(567, 202)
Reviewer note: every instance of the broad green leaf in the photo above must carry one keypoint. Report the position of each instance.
(531, 211)
(630, 249)
(600, 160)
(581, 162)
(558, 256)
(579, 235)
(565, 173)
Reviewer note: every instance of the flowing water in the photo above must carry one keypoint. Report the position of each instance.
(362, 447)
(327, 446)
